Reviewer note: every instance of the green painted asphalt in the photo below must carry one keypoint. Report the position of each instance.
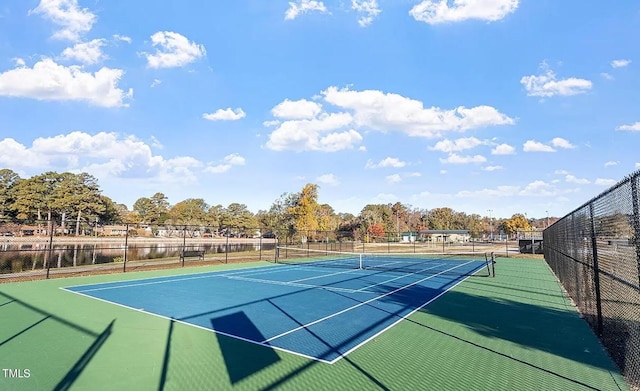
(513, 332)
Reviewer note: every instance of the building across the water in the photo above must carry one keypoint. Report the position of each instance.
(445, 235)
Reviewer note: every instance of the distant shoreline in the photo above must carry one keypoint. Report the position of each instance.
(137, 239)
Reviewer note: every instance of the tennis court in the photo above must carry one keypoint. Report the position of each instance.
(319, 305)
(517, 330)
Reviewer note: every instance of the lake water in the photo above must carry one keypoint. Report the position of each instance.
(19, 257)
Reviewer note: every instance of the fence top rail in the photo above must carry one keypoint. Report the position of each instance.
(629, 178)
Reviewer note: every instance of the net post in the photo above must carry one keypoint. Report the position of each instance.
(486, 263)
(360, 262)
(493, 265)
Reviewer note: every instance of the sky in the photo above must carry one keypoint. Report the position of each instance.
(493, 107)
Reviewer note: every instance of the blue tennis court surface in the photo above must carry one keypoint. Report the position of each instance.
(316, 312)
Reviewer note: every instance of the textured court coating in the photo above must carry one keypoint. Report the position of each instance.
(515, 331)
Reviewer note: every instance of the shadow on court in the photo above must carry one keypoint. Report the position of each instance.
(242, 359)
(34, 330)
(561, 333)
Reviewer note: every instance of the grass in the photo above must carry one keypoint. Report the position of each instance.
(515, 331)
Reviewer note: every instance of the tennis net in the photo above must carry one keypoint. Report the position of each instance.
(460, 263)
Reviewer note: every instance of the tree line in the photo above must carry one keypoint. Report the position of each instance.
(77, 201)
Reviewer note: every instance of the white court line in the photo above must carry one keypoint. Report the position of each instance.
(357, 270)
(203, 328)
(399, 277)
(326, 275)
(264, 343)
(360, 304)
(341, 355)
(194, 276)
(168, 278)
(294, 284)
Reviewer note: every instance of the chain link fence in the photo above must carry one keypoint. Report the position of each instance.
(416, 241)
(44, 249)
(595, 253)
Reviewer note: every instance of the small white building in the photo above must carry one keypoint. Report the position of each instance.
(446, 235)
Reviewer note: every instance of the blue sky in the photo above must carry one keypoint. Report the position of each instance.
(513, 106)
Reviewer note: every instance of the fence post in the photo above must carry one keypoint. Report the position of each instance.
(126, 248)
(415, 239)
(596, 270)
(635, 195)
(50, 246)
(226, 249)
(260, 245)
(326, 242)
(184, 243)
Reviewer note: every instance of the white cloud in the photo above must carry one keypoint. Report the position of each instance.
(173, 50)
(460, 144)
(225, 115)
(493, 168)
(395, 178)
(535, 146)
(610, 164)
(605, 182)
(300, 109)
(637, 165)
(632, 128)
(538, 188)
(302, 7)
(620, 63)
(155, 83)
(328, 179)
(48, 80)
(318, 134)
(457, 159)
(547, 85)
(386, 163)
(503, 149)
(86, 52)
(534, 189)
(606, 76)
(367, 9)
(572, 179)
(123, 38)
(73, 20)
(272, 123)
(387, 111)
(156, 143)
(559, 142)
(105, 155)
(561, 172)
(235, 159)
(500, 191)
(227, 163)
(306, 123)
(439, 11)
